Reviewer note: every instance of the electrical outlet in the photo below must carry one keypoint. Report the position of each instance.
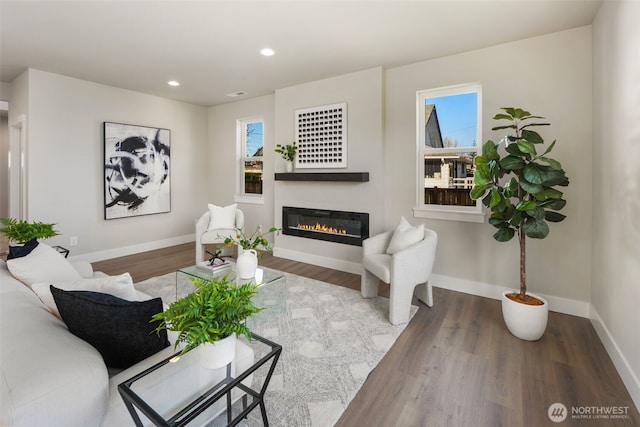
(73, 241)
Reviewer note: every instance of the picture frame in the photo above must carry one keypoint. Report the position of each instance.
(137, 170)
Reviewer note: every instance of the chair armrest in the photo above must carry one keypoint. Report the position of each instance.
(239, 218)
(202, 224)
(376, 244)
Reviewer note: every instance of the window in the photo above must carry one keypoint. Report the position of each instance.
(250, 150)
(448, 139)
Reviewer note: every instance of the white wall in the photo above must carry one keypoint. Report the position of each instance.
(549, 76)
(5, 91)
(224, 169)
(363, 93)
(18, 132)
(5, 95)
(65, 122)
(4, 165)
(615, 264)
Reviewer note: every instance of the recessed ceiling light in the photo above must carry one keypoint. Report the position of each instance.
(173, 83)
(267, 52)
(236, 94)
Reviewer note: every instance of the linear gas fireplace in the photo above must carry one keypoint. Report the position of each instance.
(350, 228)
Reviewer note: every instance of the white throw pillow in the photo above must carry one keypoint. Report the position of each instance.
(120, 286)
(43, 264)
(222, 217)
(404, 236)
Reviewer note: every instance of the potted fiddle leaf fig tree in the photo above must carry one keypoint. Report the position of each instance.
(519, 186)
(211, 318)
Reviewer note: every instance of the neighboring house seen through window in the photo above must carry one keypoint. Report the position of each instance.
(250, 151)
(448, 139)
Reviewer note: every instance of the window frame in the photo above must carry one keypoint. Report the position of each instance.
(242, 157)
(445, 212)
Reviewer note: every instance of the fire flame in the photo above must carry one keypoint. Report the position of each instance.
(321, 227)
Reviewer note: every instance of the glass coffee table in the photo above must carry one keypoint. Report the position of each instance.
(270, 295)
(178, 391)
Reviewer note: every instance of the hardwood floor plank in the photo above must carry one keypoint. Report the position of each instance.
(455, 364)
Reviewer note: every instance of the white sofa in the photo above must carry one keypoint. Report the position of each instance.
(50, 377)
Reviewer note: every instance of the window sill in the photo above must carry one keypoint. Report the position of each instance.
(253, 200)
(449, 214)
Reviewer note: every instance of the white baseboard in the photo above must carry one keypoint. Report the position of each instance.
(557, 304)
(133, 249)
(336, 264)
(629, 378)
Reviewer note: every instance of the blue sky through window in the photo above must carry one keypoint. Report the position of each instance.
(254, 138)
(457, 117)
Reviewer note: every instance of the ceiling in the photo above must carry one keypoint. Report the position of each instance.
(212, 47)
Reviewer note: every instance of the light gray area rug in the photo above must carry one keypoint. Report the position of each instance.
(331, 340)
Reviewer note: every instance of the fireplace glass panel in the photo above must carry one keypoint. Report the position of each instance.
(334, 226)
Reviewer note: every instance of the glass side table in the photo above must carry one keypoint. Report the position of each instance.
(155, 394)
(184, 286)
(270, 295)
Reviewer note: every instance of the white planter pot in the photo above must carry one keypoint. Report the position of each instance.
(289, 167)
(527, 322)
(247, 263)
(218, 354)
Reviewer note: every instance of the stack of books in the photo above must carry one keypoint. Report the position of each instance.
(218, 265)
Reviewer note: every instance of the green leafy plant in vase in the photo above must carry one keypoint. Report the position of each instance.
(288, 152)
(253, 241)
(247, 261)
(519, 188)
(21, 231)
(216, 310)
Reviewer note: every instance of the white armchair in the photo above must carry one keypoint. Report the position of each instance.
(405, 271)
(216, 236)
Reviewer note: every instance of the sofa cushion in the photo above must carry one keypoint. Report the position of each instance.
(404, 236)
(222, 217)
(43, 264)
(24, 250)
(120, 330)
(120, 286)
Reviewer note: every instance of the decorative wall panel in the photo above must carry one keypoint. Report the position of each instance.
(321, 134)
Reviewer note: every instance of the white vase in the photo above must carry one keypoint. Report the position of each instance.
(218, 354)
(289, 167)
(527, 322)
(247, 263)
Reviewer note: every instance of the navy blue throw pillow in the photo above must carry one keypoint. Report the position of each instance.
(120, 330)
(20, 251)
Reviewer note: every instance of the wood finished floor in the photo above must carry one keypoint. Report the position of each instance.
(456, 364)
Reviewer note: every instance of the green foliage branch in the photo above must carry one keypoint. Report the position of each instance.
(253, 241)
(288, 151)
(22, 231)
(519, 187)
(216, 309)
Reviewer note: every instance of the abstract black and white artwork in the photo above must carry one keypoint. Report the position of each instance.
(136, 170)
